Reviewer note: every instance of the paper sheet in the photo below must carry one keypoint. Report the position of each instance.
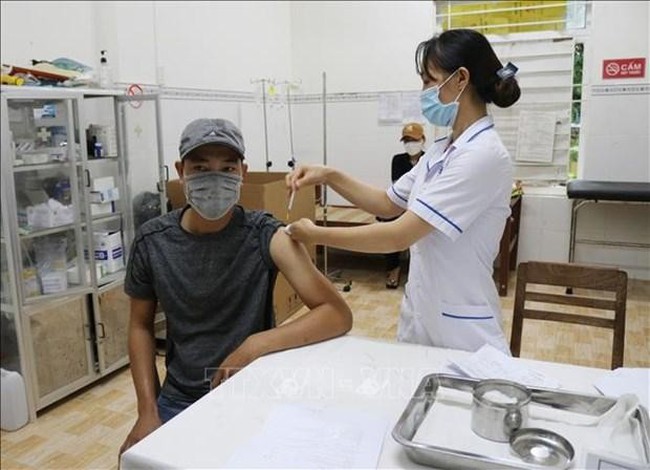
(390, 108)
(399, 108)
(298, 436)
(490, 363)
(536, 136)
(626, 380)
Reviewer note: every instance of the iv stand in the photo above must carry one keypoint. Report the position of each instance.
(335, 276)
(292, 162)
(264, 81)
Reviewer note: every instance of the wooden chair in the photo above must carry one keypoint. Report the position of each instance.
(575, 276)
(506, 261)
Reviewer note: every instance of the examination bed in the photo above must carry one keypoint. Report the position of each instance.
(582, 192)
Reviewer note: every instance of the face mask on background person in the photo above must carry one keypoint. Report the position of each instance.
(437, 113)
(212, 193)
(413, 148)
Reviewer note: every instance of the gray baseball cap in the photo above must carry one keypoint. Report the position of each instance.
(211, 131)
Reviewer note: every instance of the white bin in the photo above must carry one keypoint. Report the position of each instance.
(13, 401)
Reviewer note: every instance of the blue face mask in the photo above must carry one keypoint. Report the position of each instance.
(437, 113)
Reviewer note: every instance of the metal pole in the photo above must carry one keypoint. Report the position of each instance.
(266, 130)
(293, 156)
(324, 187)
(264, 81)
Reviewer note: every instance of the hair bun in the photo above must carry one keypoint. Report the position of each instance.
(506, 92)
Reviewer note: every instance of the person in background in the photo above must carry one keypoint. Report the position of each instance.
(413, 139)
(452, 205)
(212, 267)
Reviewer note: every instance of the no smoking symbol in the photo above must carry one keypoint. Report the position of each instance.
(612, 68)
(134, 90)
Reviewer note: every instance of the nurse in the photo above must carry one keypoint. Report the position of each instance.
(452, 205)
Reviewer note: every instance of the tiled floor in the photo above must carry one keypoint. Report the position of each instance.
(86, 430)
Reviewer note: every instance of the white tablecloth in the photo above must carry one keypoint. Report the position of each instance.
(349, 372)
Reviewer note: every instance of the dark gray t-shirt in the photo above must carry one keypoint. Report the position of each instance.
(215, 290)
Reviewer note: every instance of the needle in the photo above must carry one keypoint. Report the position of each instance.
(293, 195)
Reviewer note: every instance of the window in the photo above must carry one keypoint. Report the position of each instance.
(504, 17)
(576, 108)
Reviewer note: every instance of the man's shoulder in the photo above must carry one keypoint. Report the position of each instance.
(159, 224)
(260, 218)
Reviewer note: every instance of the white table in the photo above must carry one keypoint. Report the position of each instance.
(340, 373)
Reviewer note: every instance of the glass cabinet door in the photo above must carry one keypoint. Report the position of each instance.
(105, 188)
(9, 349)
(41, 168)
(140, 122)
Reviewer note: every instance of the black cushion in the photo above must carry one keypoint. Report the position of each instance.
(608, 191)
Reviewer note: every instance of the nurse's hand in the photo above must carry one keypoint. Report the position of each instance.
(302, 230)
(306, 175)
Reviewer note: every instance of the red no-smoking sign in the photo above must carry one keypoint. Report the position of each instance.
(624, 68)
(134, 90)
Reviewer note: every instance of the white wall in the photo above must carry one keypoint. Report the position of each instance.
(45, 31)
(127, 31)
(363, 46)
(222, 45)
(616, 136)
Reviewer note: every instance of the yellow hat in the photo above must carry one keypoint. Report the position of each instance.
(413, 130)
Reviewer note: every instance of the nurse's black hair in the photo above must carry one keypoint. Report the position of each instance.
(470, 49)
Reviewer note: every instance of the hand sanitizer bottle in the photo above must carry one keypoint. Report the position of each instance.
(105, 77)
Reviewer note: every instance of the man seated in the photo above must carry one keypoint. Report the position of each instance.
(212, 266)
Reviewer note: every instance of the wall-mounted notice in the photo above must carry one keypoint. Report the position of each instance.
(624, 68)
(400, 107)
(535, 137)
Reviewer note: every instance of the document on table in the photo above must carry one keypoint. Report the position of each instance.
(490, 363)
(300, 436)
(626, 380)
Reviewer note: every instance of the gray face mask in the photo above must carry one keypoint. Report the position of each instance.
(212, 193)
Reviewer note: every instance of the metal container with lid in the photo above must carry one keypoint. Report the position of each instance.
(499, 407)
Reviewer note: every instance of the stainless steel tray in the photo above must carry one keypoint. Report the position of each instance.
(441, 457)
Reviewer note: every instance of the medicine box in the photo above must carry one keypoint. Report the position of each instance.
(103, 183)
(102, 209)
(109, 252)
(54, 282)
(105, 195)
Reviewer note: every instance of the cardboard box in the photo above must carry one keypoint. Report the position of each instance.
(267, 191)
(175, 194)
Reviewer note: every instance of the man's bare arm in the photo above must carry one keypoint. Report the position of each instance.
(142, 352)
(329, 315)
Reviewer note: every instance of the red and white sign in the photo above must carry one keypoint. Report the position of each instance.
(134, 90)
(624, 68)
